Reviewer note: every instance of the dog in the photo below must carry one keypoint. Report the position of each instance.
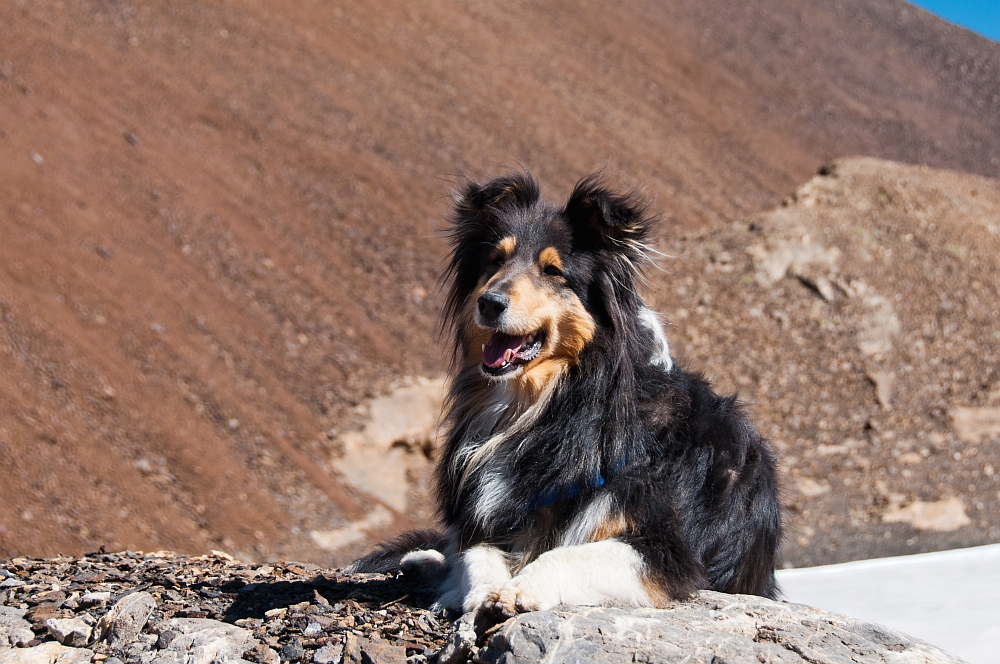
(582, 465)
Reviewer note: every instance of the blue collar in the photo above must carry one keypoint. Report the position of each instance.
(556, 494)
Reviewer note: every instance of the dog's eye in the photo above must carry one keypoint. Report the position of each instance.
(552, 271)
(497, 261)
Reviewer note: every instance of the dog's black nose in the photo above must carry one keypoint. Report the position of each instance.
(492, 305)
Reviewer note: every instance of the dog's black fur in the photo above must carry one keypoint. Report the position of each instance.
(692, 483)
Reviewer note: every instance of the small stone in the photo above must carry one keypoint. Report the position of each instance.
(460, 640)
(42, 612)
(94, 599)
(261, 654)
(12, 582)
(73, 632)
(883, 382)
(122, 624)
(329, 654)
(292, 651)
(165, 638)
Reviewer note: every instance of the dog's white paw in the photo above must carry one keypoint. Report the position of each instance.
(478, 597)
(519, 595)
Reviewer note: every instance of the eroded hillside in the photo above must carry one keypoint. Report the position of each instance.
(219, 220)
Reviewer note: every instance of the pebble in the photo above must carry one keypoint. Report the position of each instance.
(95, 599)
(73, 632)
(329, 654)
(292, 651)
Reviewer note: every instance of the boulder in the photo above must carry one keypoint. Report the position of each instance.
(710, 628)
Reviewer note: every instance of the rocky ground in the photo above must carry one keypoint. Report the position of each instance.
(153, 608)
(161, 608)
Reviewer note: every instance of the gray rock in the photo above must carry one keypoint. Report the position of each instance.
(21, 637)
(165, 638)
(12, 582)
(123, 623)
(712, 627)
(13, 627)
(292, 651)
(329, 654)
(461, 639)
(362, 650)
(46, 653)
(95, 599)
(204, 641)
(73, 632)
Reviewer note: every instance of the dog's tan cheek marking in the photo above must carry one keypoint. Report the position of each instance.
(542, 305)
(576, 328)
(549, 257)
(528, 301)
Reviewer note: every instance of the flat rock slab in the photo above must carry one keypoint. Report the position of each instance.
(711, 628)
(46, 653)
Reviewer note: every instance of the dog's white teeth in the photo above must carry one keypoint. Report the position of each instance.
(507, 355)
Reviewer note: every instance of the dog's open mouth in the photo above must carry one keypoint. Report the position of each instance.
(504, 352)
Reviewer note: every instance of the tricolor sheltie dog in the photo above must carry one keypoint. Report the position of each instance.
(582, 465)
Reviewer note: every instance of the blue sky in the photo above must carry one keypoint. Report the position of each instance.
(982, 16)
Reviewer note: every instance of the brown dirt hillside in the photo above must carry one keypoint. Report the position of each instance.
(217, 221)
(860, 322)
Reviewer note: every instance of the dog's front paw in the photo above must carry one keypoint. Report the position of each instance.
(479, 597)
(519, 595)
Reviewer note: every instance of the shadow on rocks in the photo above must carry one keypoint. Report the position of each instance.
(254, 600)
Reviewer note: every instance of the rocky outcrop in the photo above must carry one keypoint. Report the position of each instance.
(160, 608)
(711, 628)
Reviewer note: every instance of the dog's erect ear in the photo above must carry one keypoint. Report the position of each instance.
(476, 201)
(603, 219)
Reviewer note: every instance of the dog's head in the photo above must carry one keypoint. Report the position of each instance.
(532, 282)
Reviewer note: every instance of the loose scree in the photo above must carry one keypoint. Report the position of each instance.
(582, 465)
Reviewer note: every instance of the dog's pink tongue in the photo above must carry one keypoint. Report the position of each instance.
(495, 352)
